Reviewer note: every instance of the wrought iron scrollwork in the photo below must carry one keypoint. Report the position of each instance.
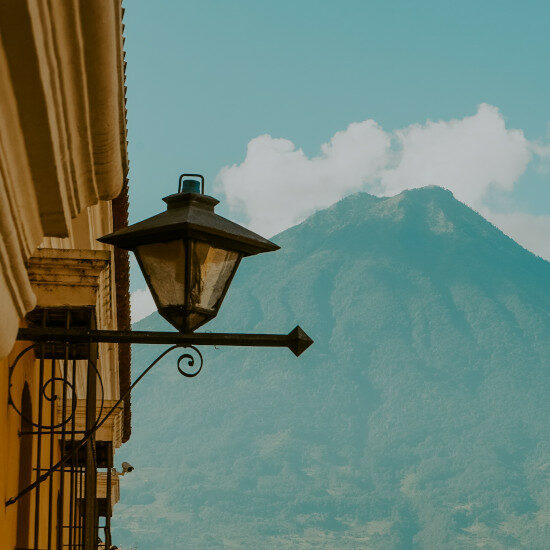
(191, 357)
(52, 396)
(190, 362)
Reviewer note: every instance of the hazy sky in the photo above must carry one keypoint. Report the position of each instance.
(288, 106)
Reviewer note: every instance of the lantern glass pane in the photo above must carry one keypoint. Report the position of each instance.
(211, 269)
(164, 267)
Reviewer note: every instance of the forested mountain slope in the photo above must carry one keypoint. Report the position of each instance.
(418, 419)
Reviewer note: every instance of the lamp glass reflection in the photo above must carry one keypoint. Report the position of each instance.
(188, 280)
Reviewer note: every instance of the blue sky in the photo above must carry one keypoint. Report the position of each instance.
(207, 77)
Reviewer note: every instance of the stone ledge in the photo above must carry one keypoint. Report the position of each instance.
(67, 277)
(111, 429)
(101, 490)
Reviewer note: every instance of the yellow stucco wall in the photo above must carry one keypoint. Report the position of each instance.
(10, 422)
(63, 142)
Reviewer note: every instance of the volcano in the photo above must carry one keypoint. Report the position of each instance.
(418, 419)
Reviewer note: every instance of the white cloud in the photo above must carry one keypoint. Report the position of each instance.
(277, 185)
(141, 304)
(467, 156)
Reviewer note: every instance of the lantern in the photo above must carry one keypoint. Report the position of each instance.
(189, 254)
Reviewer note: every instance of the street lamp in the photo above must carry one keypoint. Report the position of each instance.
(189, 254)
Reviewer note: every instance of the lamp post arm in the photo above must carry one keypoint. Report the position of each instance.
(297, 340)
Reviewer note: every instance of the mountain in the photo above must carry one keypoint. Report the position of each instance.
(418, 419)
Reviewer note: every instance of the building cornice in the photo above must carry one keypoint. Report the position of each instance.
(63, 142)
(111, 430)
(66, 70)
(67, 278)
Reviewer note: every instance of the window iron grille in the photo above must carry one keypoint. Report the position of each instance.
(70, 518)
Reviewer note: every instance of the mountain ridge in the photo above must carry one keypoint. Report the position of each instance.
(406, 424)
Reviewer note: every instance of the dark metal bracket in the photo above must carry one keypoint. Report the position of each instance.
(296, 341)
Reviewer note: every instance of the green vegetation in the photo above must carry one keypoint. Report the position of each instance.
(419, 418)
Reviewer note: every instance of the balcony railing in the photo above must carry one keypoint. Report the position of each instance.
(77, 494)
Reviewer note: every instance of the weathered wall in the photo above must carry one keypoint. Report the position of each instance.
(62, 160)
(10, 423)
(62, 132)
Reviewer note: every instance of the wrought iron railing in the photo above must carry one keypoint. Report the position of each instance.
(67, 338)
(70, 519)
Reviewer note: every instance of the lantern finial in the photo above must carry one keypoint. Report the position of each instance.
(191, 185)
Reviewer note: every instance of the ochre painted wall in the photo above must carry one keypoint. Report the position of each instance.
(27, 370)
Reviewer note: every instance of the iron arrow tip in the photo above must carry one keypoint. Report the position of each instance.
(299, 341)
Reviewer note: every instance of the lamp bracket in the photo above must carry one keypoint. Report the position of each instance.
(296, 340)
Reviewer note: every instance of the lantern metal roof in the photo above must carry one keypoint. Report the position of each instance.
(190, 215)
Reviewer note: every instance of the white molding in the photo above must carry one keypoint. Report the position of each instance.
(14, 168)
(11, 262)
(62, 148)
(100, 27)
(101, 487)
(68, 277)
(65, 67)
(111, 430)
(80, 278)
(20, 228)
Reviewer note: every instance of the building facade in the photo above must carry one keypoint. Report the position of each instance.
(63, 184)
